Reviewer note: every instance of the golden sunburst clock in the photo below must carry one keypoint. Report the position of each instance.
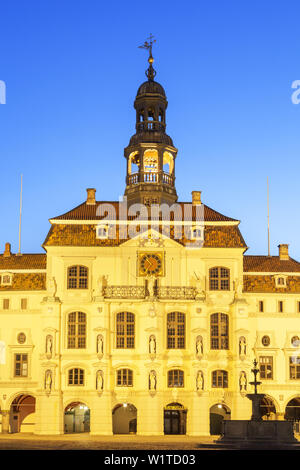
(150, 264)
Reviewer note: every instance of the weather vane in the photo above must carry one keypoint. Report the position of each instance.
(150, 72)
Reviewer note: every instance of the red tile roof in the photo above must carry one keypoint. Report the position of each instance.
(88, 212)
(23, 261)
(270, 264)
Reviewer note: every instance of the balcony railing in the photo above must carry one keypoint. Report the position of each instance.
(176, 293)
(150, 126)
(150, 177)
(140, 292)
(124, 292)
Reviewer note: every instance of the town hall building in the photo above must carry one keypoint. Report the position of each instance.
(144, 315)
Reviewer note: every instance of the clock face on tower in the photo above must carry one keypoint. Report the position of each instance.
(150, 264)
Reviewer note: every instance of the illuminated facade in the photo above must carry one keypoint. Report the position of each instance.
(131, 323)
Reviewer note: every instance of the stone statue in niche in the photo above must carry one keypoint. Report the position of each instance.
(99, 381)
(152, 345)
(48, 381)
(152, 380)
(100, 345)
(237, 288)
(199, 381)
(243, 381)
(242, 346)
(151, 286)
(199, 346)
(102, 283)
(200, 285)
(49, 346)
(51, 287)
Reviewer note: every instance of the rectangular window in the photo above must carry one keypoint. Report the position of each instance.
(176, 330)
(294, 367)
(280, 306)
(219, 379)
(5, 304)
(266, 367)
(23, 304)
(261, 306)
(176, 378)
(21, 365)
(298, 305)
(124, 378)
(76, 377)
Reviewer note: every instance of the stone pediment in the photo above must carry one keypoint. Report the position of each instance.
(151, 239)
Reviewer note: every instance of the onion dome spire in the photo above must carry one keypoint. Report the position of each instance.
(150, 72)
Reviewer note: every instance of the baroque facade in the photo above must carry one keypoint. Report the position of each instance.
(144, 315)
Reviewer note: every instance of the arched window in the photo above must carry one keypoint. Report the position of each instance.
(176, 330)
(76, 330)
(219, 379)
(219, 334)
(150, 160)
(151, 114)
(76, 377)
(77, 277)
(124, 378)
(125, 330)
(168, 163)
(175, 378)
(219, 278)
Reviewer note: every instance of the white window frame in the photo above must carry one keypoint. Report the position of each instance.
(103, 236)
(277, 278)
(9, 281)
(197, 228)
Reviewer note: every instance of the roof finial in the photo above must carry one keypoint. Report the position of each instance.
(150, 72)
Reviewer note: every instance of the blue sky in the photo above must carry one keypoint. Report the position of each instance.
(72, 69)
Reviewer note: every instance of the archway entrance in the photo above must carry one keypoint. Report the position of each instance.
(217, 414)
(292, 413)
(175, 419)
(267, 409)
(124, 418)
(77, 418)
(22, 414)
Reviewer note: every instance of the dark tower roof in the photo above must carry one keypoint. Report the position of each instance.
(151, 87)
(151, 104)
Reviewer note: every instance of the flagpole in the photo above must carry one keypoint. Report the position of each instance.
(268, 217)
(20, 215)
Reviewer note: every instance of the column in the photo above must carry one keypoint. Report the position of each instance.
(150, 415)
(198, 415)
(101, 415)
(241, 407)
(49, 414)
(5, 421)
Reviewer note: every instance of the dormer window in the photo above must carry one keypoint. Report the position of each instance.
(6, 279)
(102, 231)
(280, 281)
(197, 233)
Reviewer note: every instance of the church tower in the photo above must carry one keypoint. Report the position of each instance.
(150, 154)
